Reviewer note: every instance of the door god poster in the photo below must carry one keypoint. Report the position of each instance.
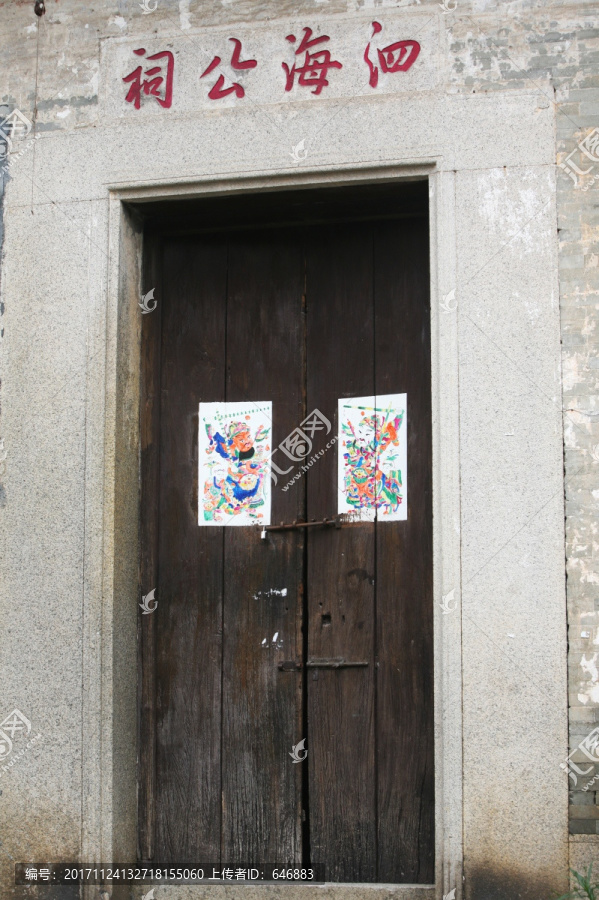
(373, 458)
(234, 451)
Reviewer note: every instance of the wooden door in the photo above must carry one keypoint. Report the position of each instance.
(302, 317)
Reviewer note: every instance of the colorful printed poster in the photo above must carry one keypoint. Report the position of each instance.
(373, 458)
(234, 452)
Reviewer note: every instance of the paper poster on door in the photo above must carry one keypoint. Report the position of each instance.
(373, 458)
(234, 450)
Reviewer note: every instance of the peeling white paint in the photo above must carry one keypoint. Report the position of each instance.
(118, 21)
(94, 81)
(276, 642)
(532, 311)
(508, 213)
(570, 373)
(591, 578)
(590, 667)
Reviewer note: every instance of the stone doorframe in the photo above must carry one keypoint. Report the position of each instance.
(110, 806)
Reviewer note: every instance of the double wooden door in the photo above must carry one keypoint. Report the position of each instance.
(230, 680)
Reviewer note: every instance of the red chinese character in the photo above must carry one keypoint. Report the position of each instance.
(316, 65)
(153, 80)
(396, 57)
(216, 92)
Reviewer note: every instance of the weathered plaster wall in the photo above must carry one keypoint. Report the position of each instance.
(62, 73)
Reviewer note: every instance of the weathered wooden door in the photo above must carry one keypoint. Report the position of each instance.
(234, 659)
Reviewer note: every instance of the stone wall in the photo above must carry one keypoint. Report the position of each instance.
(52, 71)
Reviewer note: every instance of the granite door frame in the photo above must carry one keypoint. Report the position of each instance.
(110, 805)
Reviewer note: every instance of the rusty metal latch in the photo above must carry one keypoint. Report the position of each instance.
(334, 522)
(337, 522)
(336, 663)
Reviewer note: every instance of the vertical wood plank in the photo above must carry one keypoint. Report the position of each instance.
(404, 576)
(188, 620)
(340, 566)
(262, 705)
(148, 545)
